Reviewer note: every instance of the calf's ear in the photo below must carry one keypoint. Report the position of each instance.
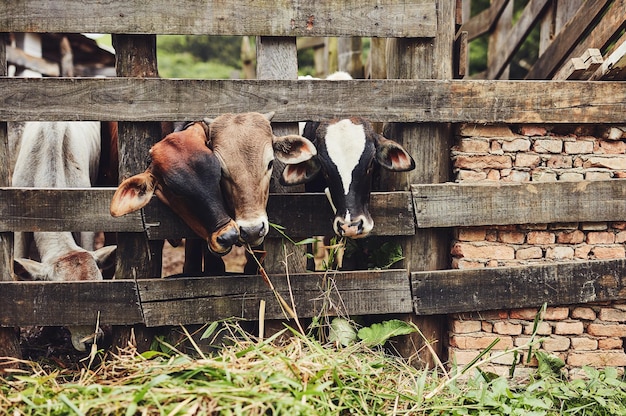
(293, 149)
(27, 270)
(300, 172)
(390, 155)
(133, 194)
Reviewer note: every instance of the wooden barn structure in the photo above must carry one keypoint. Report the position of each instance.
(419, 99)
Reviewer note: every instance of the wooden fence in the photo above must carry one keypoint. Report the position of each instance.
(417, 209)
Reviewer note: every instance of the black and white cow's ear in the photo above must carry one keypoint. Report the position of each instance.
(293, 149)
(300, 172)
(133, 194)
(390, 155)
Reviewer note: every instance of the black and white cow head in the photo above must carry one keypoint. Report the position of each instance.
(346, 152)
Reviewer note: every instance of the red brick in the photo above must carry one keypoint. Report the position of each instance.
(612, 315)
(556, 313)
(470, 176)
(548, 146)
(569, 328)
(471, 234)
(468, 342)
(608, 162)
(620, 237)
(602, 237)
(570, 237)
(507, 328)
(483, 162)
(559, 253)
(607, 330)
(609, 252)
(527, 314)
(511, 237)
(485, 130)
(529, 253)
(543, 328)
(583, 313)
(474, 146)
(532, 130)
(516, 145)
(612, 147)
(523, 160)
(559, 162)
(579, 147)
(597, 359)
(463, 264)
(483, 251)
(555, 343)
(582, 252)
(464, 327)
(610, 344)
(540, 237)
(584, 344)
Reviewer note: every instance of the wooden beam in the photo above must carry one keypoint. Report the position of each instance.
(458, 205)
(566, 40)
(384, 18)
(69, 303)
(452, 291)
(484, 21)
(18, 57)
(581, 68)
(393, 100)
(517, 35)
(614, 67)
(205, 299)
(303, 215)
(198, 300)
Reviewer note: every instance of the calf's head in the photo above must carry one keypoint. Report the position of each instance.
(346, 152)
(185, 175)
(246, 147)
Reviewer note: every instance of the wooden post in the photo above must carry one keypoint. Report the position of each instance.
(277, 59)
(349, 56)
(429, 144)
(499, 37)
(136, 57)
(9, 337)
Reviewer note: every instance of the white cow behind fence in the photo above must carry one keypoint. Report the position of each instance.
(59, 155)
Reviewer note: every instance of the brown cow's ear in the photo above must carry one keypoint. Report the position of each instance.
(390, 155)
(293, 149)
(300, 172)
(133, 194)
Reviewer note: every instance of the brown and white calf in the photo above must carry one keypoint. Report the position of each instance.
(231, 156)
(347, 150)
(59, 155)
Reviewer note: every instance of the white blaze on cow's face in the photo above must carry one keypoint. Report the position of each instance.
(345, 143)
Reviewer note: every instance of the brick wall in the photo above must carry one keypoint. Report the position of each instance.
(581, 335)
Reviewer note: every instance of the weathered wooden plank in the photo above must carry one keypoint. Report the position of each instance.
(69, 303)
(484, 21)
(205, 299)
(76, 209)
(516, 36)
(386, 18)
(133, 99)
(458, 205)
(87, 209)
(567, 39)
(499, 288)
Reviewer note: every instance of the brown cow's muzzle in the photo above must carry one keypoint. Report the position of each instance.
(221, 242)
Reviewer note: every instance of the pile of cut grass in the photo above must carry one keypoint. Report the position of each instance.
(297, 376)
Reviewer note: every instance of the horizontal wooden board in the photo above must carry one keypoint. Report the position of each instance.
(302, 215)
(69, 303)
(133, 99)
(381, 18)
(449, 291)
(205, 299)
(460, 205)
(193, 300)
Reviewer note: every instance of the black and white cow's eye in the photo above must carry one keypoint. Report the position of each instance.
(270, 165)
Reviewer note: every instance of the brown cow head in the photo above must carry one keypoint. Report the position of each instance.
(185, 175)
(246, 148)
